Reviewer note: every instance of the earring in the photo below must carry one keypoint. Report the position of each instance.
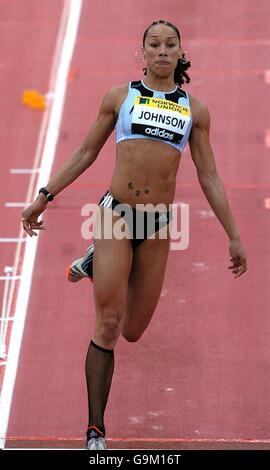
(138, 59)
(183, 58)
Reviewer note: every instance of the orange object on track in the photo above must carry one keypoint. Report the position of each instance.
(33, 99)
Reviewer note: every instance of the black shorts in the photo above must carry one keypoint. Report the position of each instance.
(141, 224)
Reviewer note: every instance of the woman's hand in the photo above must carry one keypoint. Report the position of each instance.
(238, 258)
(31, 214)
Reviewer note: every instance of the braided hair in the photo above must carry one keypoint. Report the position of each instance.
(180, 75)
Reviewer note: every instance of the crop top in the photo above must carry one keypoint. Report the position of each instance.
(152, 114)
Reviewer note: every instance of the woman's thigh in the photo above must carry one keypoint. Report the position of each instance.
(111, 268)
(144, 286)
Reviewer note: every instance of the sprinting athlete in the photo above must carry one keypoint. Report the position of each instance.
(154, 118)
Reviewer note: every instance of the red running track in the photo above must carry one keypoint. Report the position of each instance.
(199, 376)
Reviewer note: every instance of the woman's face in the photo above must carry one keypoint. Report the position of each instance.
(162, 50)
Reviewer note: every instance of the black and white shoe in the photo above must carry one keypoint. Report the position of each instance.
(95, 439)
(82, 267)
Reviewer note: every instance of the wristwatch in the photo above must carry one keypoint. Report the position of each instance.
(46, 193)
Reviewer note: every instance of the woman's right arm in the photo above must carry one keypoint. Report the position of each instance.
(78, 162)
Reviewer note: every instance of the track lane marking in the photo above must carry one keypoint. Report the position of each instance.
(59, 79)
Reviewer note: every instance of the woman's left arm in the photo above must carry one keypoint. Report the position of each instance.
(212, 186)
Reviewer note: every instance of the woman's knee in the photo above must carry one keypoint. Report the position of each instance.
(108, 325)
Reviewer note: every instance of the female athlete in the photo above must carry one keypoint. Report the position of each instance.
(154, 118)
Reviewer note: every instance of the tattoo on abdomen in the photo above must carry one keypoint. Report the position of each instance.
(137, 191)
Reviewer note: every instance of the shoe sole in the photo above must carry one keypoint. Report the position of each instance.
(96, 445)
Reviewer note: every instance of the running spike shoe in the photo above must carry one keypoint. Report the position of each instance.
(95, 439)
(82, 267)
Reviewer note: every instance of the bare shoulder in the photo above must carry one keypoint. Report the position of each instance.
(118, 90)
(200, 112)
(115, 97)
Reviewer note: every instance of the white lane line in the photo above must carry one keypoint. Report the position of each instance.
(16, 204)
(23, 171)
(267, 138)
(267, 76)
(267, 203)
(61, 78)
(204, 213)
(31, 191)
(12, 240)
(4, 318)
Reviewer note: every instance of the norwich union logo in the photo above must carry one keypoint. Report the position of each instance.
(144, 101)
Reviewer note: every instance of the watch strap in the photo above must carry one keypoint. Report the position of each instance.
(46, 193)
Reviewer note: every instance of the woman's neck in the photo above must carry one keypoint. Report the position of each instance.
(160, 83)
